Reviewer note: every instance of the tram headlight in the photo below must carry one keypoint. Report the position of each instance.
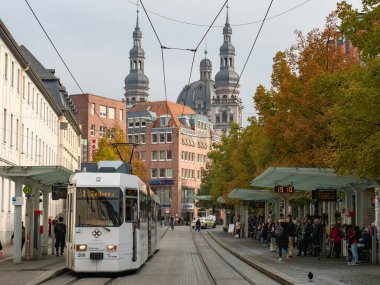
(111, 247)
(81, 247)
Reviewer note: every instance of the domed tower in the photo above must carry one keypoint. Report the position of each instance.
(198, 94)
(136, 83)
(226, 105)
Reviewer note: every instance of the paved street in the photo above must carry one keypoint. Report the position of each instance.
(178, 262)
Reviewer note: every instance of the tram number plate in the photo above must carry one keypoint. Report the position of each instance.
(81, 255)
(96, 255)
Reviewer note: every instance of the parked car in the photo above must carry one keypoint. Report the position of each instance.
(205, 223)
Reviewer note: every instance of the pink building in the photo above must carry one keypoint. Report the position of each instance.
(173, 142)
(98, 117)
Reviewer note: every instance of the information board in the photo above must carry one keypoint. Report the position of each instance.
(231, 228)
(324, 195)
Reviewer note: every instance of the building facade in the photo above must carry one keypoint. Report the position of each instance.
(98, 116)
(31, 118)
(173, 142)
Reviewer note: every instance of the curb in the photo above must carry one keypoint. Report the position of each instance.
(50, 274)
(268, 271)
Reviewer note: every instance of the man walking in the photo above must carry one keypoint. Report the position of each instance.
(60, 236)
(282, 233)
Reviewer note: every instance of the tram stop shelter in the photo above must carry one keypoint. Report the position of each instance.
(308, 179)
(40, 179)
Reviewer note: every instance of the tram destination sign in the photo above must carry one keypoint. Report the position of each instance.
(323, 195)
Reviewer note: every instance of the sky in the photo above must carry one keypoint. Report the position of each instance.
(94, 38)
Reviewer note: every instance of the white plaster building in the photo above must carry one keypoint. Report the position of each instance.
(35, 128)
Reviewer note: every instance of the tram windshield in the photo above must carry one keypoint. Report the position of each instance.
(99, 207)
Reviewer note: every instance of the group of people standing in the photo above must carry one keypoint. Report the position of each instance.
(307, 235)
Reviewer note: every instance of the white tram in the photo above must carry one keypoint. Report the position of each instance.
(112, 219)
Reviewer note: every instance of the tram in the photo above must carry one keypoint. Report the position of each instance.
(112, 219)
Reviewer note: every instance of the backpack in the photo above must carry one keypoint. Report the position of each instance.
(341, 233)
(279, 230)
(60, 230)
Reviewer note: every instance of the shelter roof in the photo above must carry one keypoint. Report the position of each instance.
(251, 194)
(306, 179)
(44, 175)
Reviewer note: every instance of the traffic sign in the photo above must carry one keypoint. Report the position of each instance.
(27, 190)
(341, 195)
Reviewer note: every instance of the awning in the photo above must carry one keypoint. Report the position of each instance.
(307, 179)
(251, 194)
(43, 175)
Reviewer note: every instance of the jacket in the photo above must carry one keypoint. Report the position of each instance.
(335, 235)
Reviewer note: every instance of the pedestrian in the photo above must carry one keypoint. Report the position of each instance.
(335, 241)
(304, 235)
(60, 236)
(292, 233)
(272, 236)
(316, 237)
(162, 220)
(172, 222)
(264, 234)
(353, 235)
(22, 235)
(237, 226)
(282, 233)
(198, 225)
(1, 250)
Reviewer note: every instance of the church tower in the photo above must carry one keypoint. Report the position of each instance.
(226, 105)
(136, 83)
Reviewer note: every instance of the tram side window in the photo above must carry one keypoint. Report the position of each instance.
(131, 209)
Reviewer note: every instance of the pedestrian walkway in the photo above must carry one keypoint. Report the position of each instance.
(29, 272)
(295, 271)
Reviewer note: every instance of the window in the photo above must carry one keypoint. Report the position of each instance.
(13, 74)
(5, 126)
(120, 115)
(154, 138)
(37, 104)
(111, 133)
(142, 155)
(102, 131)
(111, 113)
(103, 111)
(130, 138)
(154, 172)
(6, 66)
(130, 122)
(224, 117)
(142, 138)
(17, 123)
(169, 137)
(217, 118)
(164, 120)
(18, 80)
(11, 132)
(162, 137)
(154, 155)
(169, 155)
(28, 90)
(169, 173)
(162, 155)
(162, 172)
(92, 131)
(231, 117)
(143, 122)
(136, 138)
(92, 109)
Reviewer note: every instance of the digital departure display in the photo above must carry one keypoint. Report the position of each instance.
(86, 193)
(283, 189)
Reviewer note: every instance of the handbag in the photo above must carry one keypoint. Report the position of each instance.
(2, 254)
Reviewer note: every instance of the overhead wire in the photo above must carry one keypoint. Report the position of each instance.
(63, 61)
(219, 26)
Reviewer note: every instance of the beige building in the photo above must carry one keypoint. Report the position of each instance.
(173, 142)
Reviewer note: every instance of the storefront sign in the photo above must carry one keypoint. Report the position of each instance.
(188, 206)
(162, 182)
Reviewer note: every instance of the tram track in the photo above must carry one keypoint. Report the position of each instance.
(214, 276)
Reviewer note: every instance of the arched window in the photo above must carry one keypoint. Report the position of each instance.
(225, 61)
(221, 61)
(230, 61)
(140, 64)
(133, 99)
(135, 64)
(224, 117)
(224, 98)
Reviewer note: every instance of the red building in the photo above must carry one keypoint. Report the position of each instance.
(98, 116)
(173, 142)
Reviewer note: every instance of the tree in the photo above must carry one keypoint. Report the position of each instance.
(106, 151)
(363, 29)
